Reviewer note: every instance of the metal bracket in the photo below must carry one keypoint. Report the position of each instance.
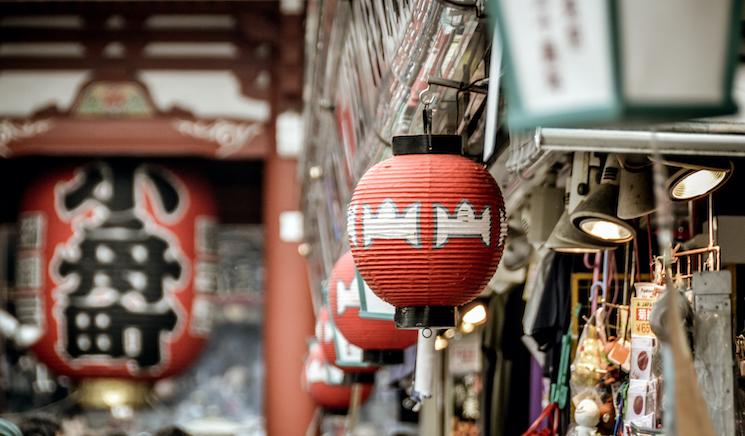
(460, 86)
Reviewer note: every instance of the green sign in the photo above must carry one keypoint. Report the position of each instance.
(582, 62)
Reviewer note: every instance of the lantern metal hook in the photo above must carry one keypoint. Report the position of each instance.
(427, 98)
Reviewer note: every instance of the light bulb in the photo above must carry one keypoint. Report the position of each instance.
(440, 343)
(467, 327)
(113, 397)
(606, 230)
(475, 315)
(697, 183)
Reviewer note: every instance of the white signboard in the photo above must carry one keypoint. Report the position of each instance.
(566, 64)
(465, 355)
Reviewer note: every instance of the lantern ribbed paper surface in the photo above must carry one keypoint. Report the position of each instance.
(114, 264)
(324, 382)
(325, 337)
(344, 302)
(325, 334)
(427, 230)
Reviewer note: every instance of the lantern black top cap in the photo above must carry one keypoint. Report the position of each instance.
(427, 144)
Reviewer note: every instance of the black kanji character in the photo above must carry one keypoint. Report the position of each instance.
(118, 307)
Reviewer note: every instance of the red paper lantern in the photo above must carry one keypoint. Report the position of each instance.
(325, 336)
(427, 229)
(325, 382)
(116, 263)
(380, 340)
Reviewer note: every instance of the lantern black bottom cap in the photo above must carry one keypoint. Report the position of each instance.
(417, 317)
(359, 377)
(383, 357)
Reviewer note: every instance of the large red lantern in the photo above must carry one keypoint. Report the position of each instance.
(116, 264)
(328, 338)
(427, 229)
(325, 382)
(380, 340)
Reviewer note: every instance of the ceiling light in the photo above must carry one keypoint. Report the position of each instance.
(635, 193)
(696, 176)
(567, 239)
(688, 184)
(596, 215)
(605, 229)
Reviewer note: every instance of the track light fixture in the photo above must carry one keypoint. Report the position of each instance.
(597, 214)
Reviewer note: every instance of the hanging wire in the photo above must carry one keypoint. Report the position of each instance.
(595, 284)
(613, 274)
(634, 277)
(626, 279)
(649, 244)
(467, 88)
(636, 261)
(380, 138)
(460, 87)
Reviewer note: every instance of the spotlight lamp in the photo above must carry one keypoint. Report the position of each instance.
(635, 193)
(694, 180)
(597, 214)
(475, 315)
(565, 238)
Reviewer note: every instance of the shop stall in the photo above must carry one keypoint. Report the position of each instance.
(593, 289)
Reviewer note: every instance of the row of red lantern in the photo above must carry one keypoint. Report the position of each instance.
(427, 230)
(379, 336)
(325, 382)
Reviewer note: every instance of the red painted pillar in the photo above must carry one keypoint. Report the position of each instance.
(288, 312)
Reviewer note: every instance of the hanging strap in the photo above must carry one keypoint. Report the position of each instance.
(560, 391)
(549, 416)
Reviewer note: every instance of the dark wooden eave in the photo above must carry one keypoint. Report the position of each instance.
(268, 44)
